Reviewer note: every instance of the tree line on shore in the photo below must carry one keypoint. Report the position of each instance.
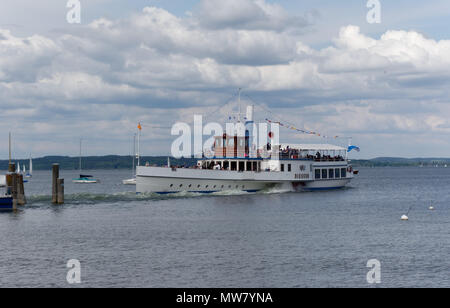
(125, 162)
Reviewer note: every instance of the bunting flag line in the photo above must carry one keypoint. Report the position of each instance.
(302, 130)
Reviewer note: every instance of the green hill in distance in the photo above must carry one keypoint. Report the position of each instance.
(125, 162)
(402, 162)
(109, 162)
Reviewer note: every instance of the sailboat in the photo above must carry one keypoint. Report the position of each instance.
(29, 174)
(84, 179)
(24, 171)
(132, 181)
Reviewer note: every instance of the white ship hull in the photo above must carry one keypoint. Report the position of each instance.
(166, 180)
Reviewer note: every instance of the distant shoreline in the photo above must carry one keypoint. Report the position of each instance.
(115, 162)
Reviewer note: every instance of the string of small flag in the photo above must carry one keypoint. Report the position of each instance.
(302, 130)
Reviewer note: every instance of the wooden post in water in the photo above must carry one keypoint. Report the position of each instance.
(21, 199)
(55, 177)
(9, 177)
(14, 190)
(60, 197)
(11, 184)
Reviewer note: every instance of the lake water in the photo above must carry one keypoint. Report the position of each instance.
(318, 239)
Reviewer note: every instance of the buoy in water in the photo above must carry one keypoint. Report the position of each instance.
(404, 217)
(431, 208)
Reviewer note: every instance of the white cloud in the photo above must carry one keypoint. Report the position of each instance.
(21, 58)
(119, 70)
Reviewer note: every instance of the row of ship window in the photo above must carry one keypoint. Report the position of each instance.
(335, 173)
(207, 186)
(289, 168)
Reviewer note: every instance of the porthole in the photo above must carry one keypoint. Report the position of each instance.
(181, 185)
(198, 186)
(215, 186)
(171, 185)
(190, 185)
(207, 186)
(229, 186)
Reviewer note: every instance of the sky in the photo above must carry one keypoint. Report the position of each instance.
(316, 64)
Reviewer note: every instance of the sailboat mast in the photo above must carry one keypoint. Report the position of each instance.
(10, 156)
(139, 145)
(80, 155)
(134, 154)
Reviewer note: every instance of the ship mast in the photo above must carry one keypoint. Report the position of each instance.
(239, 116)
(79, 167)
(10, 156)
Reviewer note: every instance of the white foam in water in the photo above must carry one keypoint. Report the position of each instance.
(92, 198)
(279, 189)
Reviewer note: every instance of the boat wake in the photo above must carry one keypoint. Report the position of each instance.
(279, 189)
(125, 197)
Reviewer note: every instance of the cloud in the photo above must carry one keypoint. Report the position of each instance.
(22, 58)
(157, 67)
(247, 15)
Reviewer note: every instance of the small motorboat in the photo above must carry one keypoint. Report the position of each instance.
(85, 179)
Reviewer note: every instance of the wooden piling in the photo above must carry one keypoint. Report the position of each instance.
(14, 189)
(21, 199)
(60, 197)
(55, 177)
(57, 186)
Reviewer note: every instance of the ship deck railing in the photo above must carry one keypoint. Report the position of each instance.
(282, 157)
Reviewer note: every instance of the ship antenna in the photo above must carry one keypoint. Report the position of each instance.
(240, 89)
